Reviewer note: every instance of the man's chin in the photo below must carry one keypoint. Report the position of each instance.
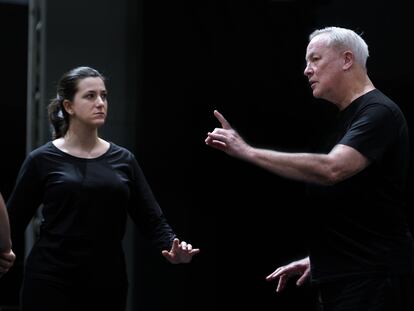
(316, 94)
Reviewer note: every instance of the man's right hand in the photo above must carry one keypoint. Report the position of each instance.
(226, 139)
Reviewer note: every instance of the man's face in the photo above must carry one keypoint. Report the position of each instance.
(323, 68)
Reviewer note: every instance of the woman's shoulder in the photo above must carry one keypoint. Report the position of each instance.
(41, 150)
(38, 154)
(120, 151)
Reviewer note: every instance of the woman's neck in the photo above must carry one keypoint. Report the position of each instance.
(84, 144)
(84, 140)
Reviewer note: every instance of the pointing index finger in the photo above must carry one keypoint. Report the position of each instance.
(226, 125)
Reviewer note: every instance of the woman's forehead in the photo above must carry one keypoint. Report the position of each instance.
(94, 83)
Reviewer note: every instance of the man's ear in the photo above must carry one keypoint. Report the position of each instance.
(348, 60)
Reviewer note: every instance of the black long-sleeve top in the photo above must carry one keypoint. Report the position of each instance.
(85, 203)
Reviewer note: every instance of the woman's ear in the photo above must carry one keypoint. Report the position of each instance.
(67, 105)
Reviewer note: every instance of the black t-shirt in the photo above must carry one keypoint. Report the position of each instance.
(358, 225)
(85, 203)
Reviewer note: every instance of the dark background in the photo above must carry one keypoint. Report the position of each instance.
(246, 59)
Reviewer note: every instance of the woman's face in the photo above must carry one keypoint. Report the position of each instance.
(89, 105)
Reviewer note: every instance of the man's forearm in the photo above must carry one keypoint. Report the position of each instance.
(308, 167)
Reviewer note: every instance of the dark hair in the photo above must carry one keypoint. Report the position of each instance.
(66, 89)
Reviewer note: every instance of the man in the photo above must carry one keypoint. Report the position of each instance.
(361, 253)
(7, 256)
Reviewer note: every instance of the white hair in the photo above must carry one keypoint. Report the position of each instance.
(343, 38)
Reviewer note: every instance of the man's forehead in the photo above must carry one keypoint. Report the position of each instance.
(319, 40)
(315, 44)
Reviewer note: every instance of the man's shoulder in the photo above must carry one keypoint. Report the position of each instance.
(376, 102)
(377, 99)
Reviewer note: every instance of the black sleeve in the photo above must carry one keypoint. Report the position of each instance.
(372, 132)
(25, 198)
(146, 213)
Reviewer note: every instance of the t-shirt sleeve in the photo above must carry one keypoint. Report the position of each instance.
(372, 131)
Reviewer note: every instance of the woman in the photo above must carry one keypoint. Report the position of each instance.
(86, 187)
